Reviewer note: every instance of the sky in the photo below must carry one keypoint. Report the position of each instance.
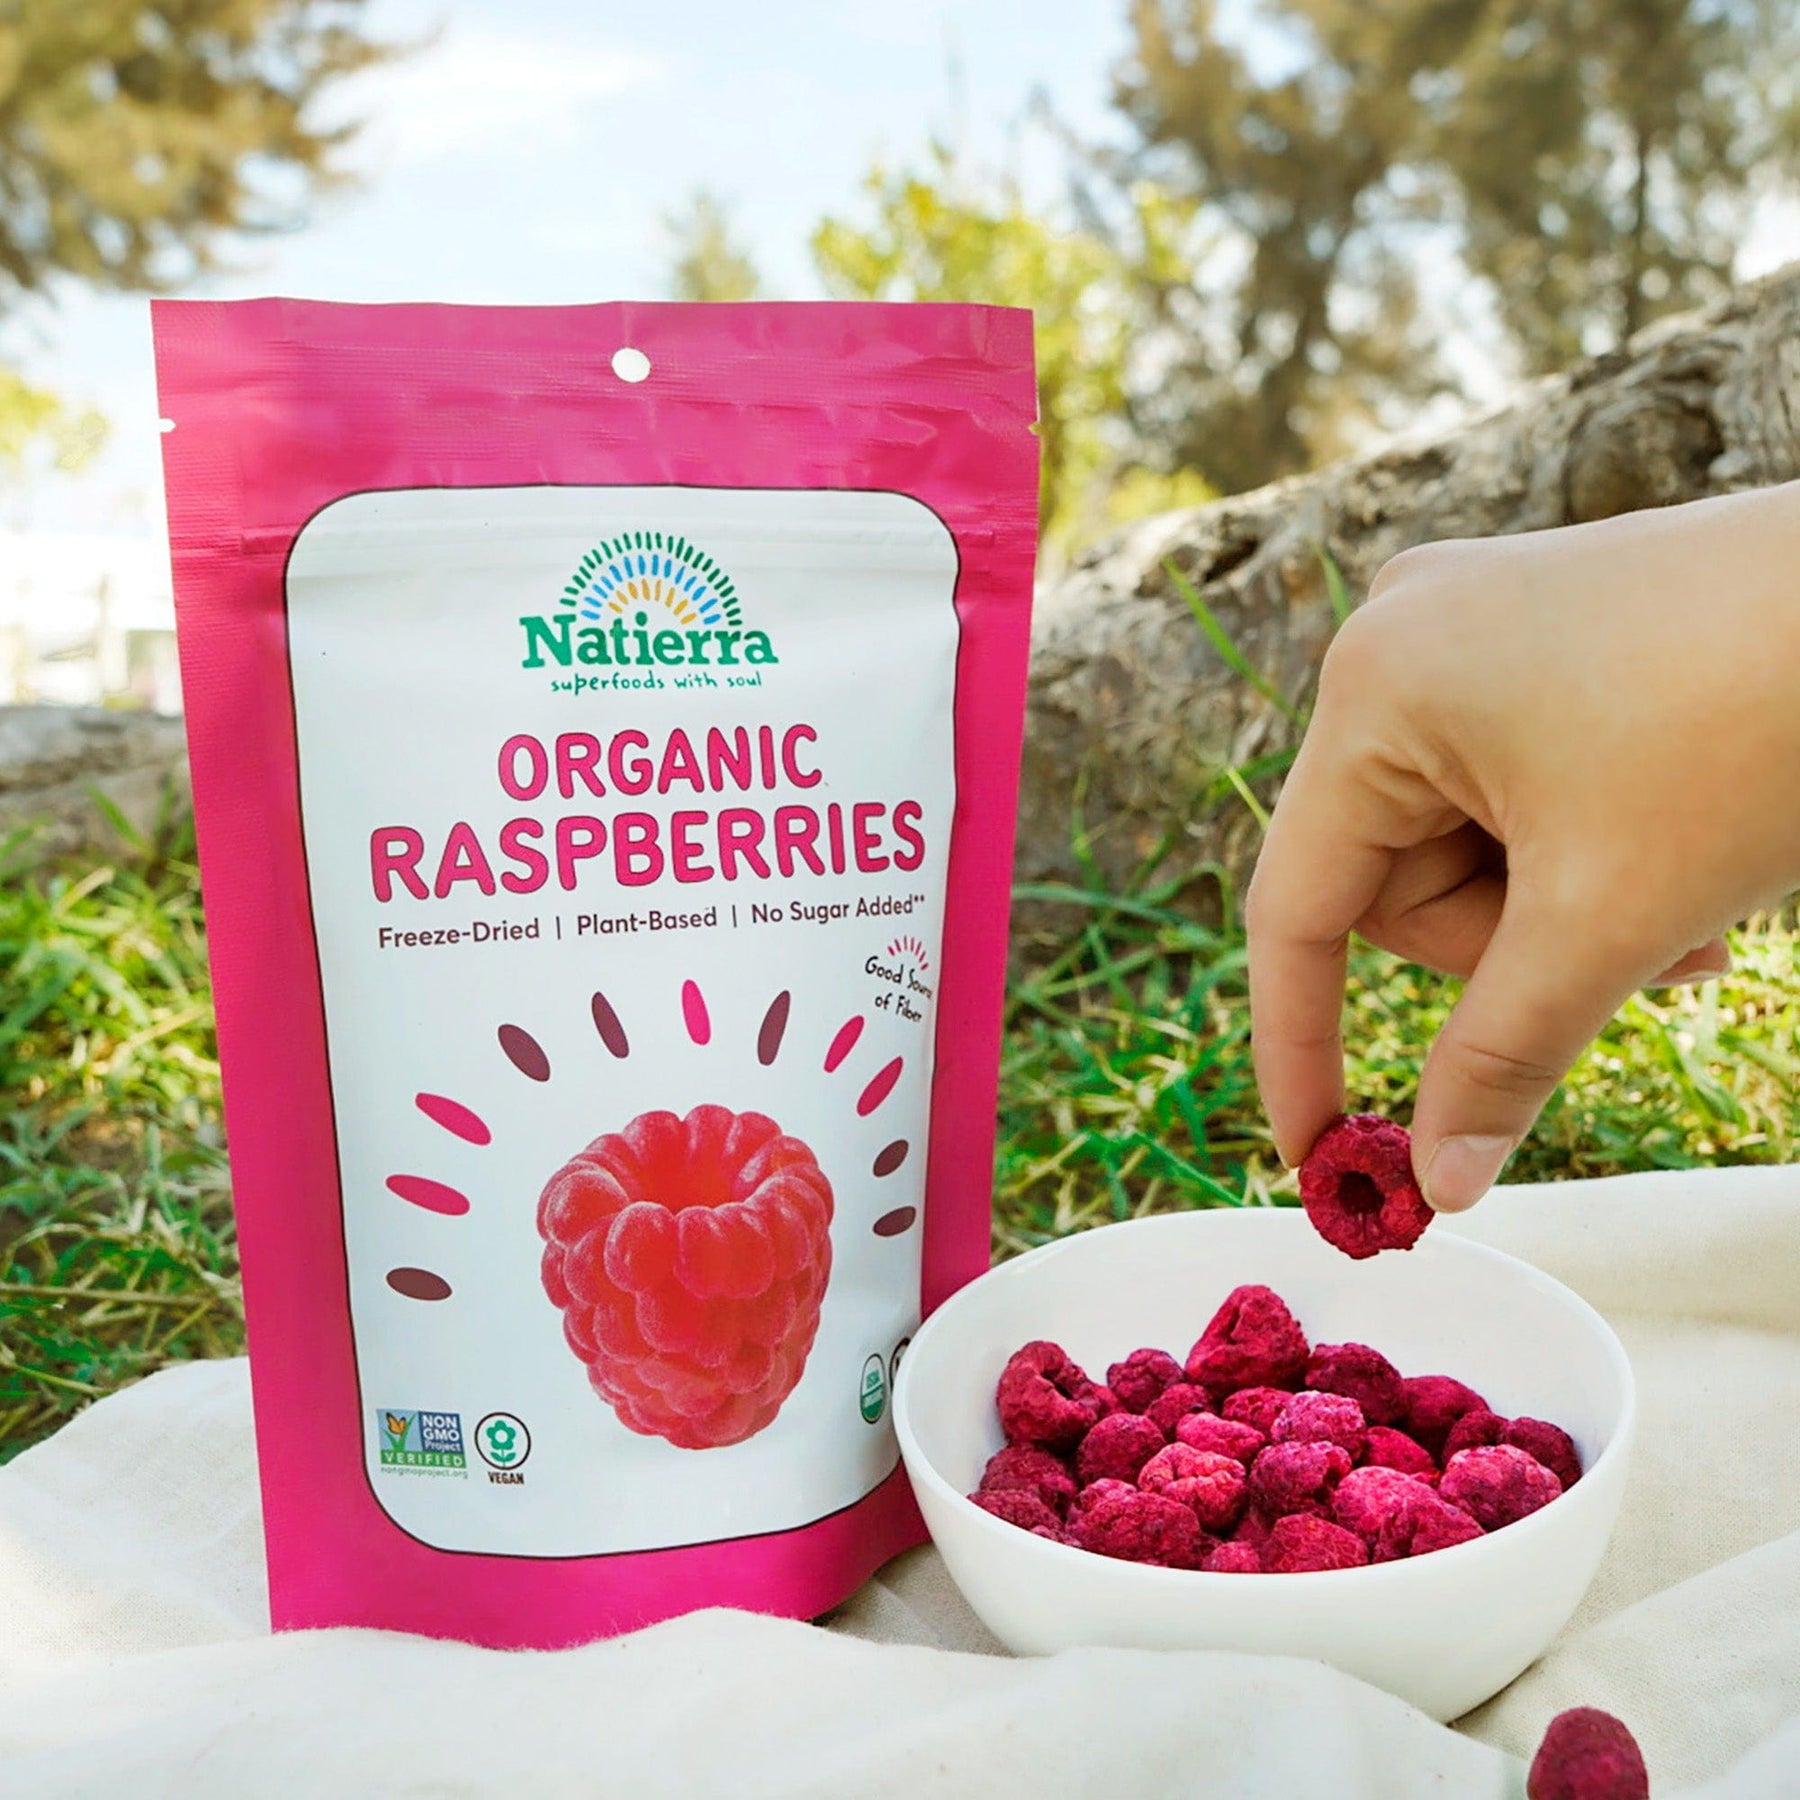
(530, 149)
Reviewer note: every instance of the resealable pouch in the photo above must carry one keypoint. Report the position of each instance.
(605, 734)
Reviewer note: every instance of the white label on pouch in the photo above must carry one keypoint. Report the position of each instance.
(686, 750)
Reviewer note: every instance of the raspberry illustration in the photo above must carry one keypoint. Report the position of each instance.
(689, 1259)
(1358, 1188)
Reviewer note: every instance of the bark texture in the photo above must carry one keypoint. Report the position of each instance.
(55, 759)
(1133, 714)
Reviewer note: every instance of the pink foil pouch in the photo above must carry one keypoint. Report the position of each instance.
(605, 734)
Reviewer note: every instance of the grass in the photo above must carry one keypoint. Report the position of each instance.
(1125, 1089)
(117, 1253)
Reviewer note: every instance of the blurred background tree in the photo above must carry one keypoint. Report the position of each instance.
(136, 136)
(707, 261)
(944, 231)
(1591, 162)
(1608, 153)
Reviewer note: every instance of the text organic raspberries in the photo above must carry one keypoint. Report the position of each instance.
(1249, 1472)
(689, 1257)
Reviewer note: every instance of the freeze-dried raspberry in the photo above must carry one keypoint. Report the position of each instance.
(1301, 1544)
(1212, 1486)
(1397, 1515)
(1433, 1404)
(1113, 1518)
(1473, 1431)
(1251, 1341)
(1046, 1399)
(1033, 1471)
(1497, 1485)
(1391, 1449)
(1291, 1478)
(1227, 1437)
(1233, 1558)
(1358, 1187)
(1421, 1526)
(1257, 1407)
(1367, 1497)
(1550, 1444)
(1587, 1754)
(1364, 1374)
(1178, 1401)
(1017, 1507)
(1253, 1528)
(1117, 1448)
(1143, 1375)
(689, 1258)
(1321, 1419)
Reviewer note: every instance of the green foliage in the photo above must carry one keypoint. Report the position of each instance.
(116, 1245)
(31, 417)
(1608, 151)
(1126, 1086)
(1314, 175)
(708, 262)
(944, 233)
(136, 134)
(1593, 160)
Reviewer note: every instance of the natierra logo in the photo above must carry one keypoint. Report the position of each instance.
(646, 600)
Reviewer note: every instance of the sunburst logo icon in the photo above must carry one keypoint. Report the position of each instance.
(648, 599)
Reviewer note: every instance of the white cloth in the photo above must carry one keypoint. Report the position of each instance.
(135, 1656)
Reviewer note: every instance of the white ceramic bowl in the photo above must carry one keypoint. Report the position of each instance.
(1444, 1631)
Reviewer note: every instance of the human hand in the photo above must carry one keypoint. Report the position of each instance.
(1558, 764)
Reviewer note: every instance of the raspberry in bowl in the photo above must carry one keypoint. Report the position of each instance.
(1372, 1579)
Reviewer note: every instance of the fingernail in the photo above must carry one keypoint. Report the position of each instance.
(1462, 1169)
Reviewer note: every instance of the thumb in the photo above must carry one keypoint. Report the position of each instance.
(1540, 994)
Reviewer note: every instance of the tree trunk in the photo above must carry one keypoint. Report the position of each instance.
(1133, 716)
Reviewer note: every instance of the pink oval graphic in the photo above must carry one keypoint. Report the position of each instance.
(843, 1043)
(693, 1013)
(434, 1196)
(454, 1117)
(880, 1086)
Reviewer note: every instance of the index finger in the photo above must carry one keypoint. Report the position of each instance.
(1316, 876)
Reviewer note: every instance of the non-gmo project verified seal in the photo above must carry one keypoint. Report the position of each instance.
(428, 1441)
